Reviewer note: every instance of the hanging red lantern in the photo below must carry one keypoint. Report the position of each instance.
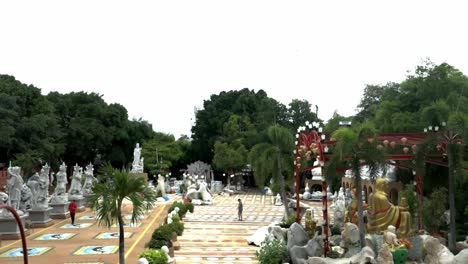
(392, 144)
(404, 140)
(370, 140)
(385, 142)
(405, 150)
(414, 148)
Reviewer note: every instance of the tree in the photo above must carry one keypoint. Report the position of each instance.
(108, 196)
(273, 159)
(229, 157)
(353, 149)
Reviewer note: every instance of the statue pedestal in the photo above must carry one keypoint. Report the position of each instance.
(80, 202)
(40, 217)
(59, 210)
(9, 229)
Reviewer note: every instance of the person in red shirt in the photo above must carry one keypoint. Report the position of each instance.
(72, 209)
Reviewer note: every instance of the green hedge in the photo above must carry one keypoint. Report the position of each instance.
(154, 256)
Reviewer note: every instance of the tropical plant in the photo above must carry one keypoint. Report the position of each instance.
(273, 159)
(272, 251)
(434, 209)
(154, 256)
(352, 150)
(108, 196)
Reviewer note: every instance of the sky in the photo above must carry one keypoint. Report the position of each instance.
(161, 59)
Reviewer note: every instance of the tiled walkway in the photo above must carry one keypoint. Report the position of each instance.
(214, 235)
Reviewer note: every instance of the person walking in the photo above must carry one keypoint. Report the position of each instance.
(72, 209)
(240, 208)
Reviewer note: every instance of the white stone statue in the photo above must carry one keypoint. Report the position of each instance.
(34, 185)
(60, 192)
(14, 187)
(166, 251)
(436, 252)
(26, 198)
(89, 180)
(278, 200)
(75, 187)
(143, 261)
(42, 199)
(385, 256)
(3, 200)
(205, 194)
(306, 195)
(161, 185)
(137, 164)
(390, 237)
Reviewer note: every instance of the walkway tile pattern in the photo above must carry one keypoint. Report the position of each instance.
(214, 235)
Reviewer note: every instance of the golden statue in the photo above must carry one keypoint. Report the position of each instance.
(381, 213)
(352, 210)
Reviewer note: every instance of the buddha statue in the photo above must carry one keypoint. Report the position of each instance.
(381, 213)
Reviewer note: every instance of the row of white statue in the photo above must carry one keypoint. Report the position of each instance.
(35, 193)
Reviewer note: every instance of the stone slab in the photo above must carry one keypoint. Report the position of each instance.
(9, 229)
(59, 210)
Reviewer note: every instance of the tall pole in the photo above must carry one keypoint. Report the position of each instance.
(325, 215)
(297, 162)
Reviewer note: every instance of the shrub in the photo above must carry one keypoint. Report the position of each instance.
(434, 209)
(154, 256)
(189, 207)
(163, 232)
(272, 251)
(158, 244)
(177, 227)
(158, 193)
(182, 208)
(175, 218)
(291, 220)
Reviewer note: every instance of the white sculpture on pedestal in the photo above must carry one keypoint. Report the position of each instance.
(75, 187)
(161, 185)
(306, 195)
(14, 187)
(89, 180)
(137, 164)
(60, 192)
(278, 200)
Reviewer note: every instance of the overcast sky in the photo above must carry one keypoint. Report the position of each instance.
(160, 59)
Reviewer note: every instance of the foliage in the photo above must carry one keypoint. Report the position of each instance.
(410, 194)
(190, 207)
(434, 210)
(273, 159)
(272, 251)
(163, 232)
(108, 195)
(154, 256)
(158, 243)
(289, 221)
(182, 208)
(177, 227)
(229, 157)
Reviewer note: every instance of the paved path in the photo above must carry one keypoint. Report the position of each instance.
(214, 235)
(86, 243)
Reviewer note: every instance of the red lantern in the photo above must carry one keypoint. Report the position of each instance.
(385, 142)
(370, 140)
(392, 144)
(414, 148)
(405, 150)
(403, 140)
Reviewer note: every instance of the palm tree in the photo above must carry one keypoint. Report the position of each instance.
(109, 194)
(352, 150)
(273, 159)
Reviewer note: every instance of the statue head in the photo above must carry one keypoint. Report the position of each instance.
(137, 145)
(391, 229)
(381, 184)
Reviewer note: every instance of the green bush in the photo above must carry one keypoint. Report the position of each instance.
(434, 209)
(272, 251)
(182, 208)
(175, 218)
(177, 227)
(154, 256)
(291, 220)
(163, 232)
(190, 207)
(158, 244)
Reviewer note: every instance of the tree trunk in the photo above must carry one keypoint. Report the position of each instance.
(121, 236)
(283, 189)
(451, 185)
(360, 209)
